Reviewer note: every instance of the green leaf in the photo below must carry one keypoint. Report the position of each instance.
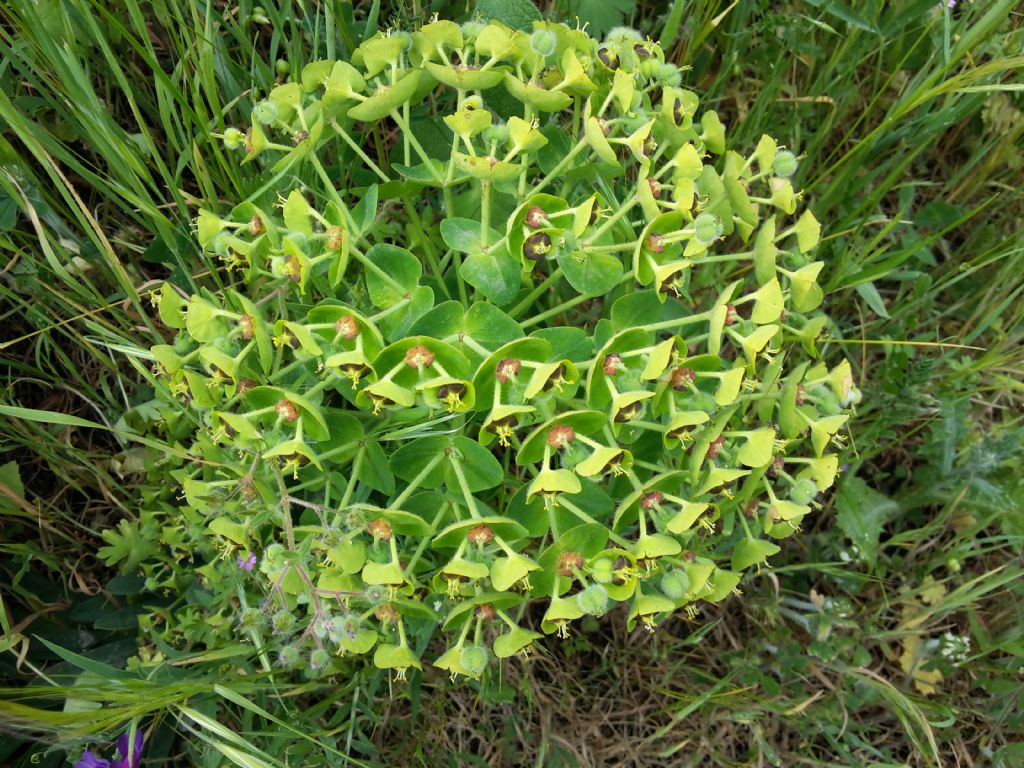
(374, 470)
(396, 325)
(86, 664)
(203, 321)
(592, 274)
(47, 417)
(862, 512)
(517, 14)
(297, 214)
(229, 529)
(870, 294)
(749, 552)
(409, 460)
(171, 306)
(480, 468)
(396, 275)
(444, 320)
(757, 450)
(386, 99)
(490, 327)
(641, 308)
(365, 210)
(495, 274)
(12, 491)
(569, 343)
(601, 16)
(845, 13)
(463, 235)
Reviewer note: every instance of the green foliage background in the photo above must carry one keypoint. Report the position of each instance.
(910, 120)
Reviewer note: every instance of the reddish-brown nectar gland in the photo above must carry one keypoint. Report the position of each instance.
(537, 246)
(292, 268)
(715, 447)
(480, 535)
(335, 238)
(380, 529)
(556, 379)
(655, 188)
(248, 490)
(608, 58)
(286, 410)
(651, 500)
(419, 357)
(507, 369)
(508, 423)
(568, 563)
(347, 327)
(386, 613)
(559, 437)
(245, 322)
(682, 378)
(256, 227)
(655, 243)
(732, 315)
(536, 217)
(485, 611)
(628, 412)
(244, 385)
(612, 364)
(689, 556)
(800, 392)
(677, 112)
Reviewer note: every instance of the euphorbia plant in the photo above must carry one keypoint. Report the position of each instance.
(570, 358)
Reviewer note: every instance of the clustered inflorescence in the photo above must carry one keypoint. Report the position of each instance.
(569, 361)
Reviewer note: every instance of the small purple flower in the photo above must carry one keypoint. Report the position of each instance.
(844, 468)
(126, 760)
(248, 562)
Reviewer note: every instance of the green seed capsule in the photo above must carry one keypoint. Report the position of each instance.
(474, 660)
(785, 164)
(803, 491)
(544, 42)
(708, 228)
(675, 584)
(593, 600)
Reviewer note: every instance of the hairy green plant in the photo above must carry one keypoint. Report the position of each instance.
(361, 413)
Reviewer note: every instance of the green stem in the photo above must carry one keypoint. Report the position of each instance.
(466, 494)
(424, 541)
(565, 305)
(350, 488)
(416, 481)
(624, 543)
(406, 131)
(625, 208)
(359, 151)
(485, 212)
(528, 302)
(557, 170)
(688, 320)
